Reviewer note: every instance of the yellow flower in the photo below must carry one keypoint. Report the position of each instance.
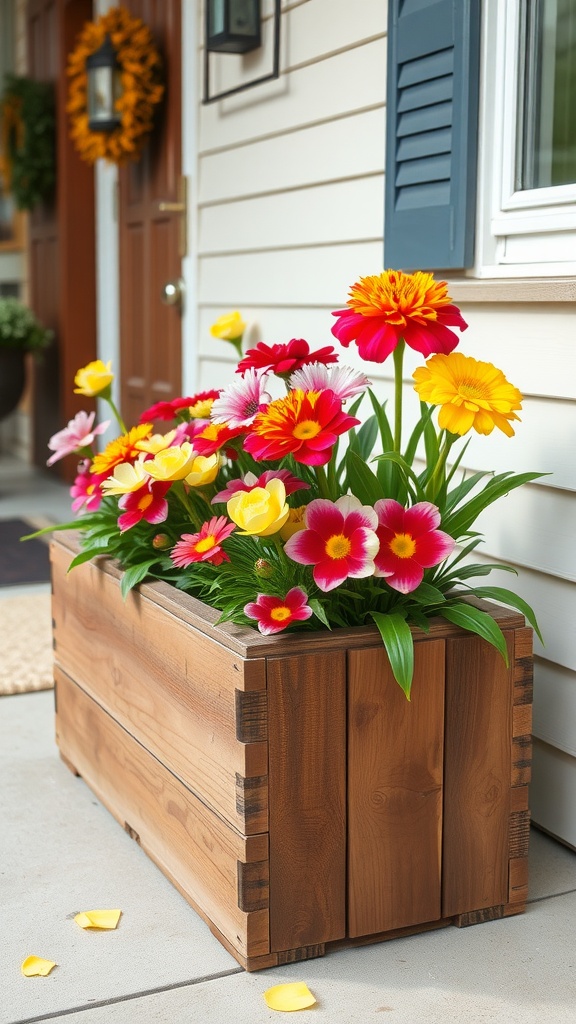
(294, 523)
(204, 470)
(93, 379)
(261, 511)
(121, 449)
(172, 463)
(472, 394)
(127, 477)
(229, 327)
(156, 443)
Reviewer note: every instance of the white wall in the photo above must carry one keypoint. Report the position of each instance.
(290, 212)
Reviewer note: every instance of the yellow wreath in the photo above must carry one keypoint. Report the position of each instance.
(139, 63)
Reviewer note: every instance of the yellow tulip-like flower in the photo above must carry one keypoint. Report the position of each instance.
(204, 470)
(172, 463)
(93, 379)
(472, 394)
(156, 443)
(127, 477)
(229, 327)
(261, 511)
(294, 523)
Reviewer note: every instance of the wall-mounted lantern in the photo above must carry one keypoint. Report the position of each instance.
(104, 88)
(233, 26)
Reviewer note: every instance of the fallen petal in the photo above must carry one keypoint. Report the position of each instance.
(295, 996)
(103, 919)
(36, 966)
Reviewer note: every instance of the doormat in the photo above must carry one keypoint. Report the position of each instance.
(22, 562)
(26, 642)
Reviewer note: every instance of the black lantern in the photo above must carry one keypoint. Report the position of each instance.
(104, 88)
(233, 26)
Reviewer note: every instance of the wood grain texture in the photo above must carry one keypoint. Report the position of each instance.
(307, 794)
(177, 695)
(479, 694)
(395, 751)
(184, 837)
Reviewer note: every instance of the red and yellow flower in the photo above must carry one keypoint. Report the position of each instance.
(274, 614)
(410, 542)
(304, 424)
(339, 541)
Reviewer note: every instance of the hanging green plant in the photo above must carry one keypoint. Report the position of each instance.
(27, 111)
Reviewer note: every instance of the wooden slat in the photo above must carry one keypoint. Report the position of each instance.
(177, 695)
(394, 791)
(307, 794)
(187, 840)
(479, 692)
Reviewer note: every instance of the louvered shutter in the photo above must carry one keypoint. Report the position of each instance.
(431, 138)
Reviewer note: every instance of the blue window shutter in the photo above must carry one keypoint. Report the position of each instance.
(431, 136)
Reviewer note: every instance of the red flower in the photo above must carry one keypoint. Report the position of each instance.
(170, 410)
(409, 543)
(304, 424)
(274, 614)
(291, 483)
(204, 546)
(214, 437)
(339, 541)
(148, 503)
(387, 307)
(284, 359)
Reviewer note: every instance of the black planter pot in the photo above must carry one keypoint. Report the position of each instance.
(12, 379)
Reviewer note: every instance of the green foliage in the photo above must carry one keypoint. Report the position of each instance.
(31, 149)
(19, 328)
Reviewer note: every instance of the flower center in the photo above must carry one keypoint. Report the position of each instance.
(205, 544)
(145, 502)
(473, 389)
(280, 614)
(251, 408)
(338, 546)
(306, 429)
(403, 545)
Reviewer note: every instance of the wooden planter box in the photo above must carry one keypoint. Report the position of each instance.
(284, 784)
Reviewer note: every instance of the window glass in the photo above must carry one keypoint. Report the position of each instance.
(547, 115)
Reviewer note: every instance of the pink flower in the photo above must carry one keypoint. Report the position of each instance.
(291, 483)
(339, 541)
(148, 503)
(204, 546)
(409, 543)
(86, 489)
(282, 359)
(304, 424)
(342, 380)
(170, 410)
(79, 434)
(274, 614)
(238, 404)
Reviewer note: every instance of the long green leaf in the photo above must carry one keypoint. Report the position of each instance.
(397, 639)
(362, 481)
(135, 574)
(506, 596)
(461, 520)
(476, 621)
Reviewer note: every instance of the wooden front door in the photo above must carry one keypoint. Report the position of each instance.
(151, 235)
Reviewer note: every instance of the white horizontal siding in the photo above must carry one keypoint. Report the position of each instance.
(555, 706)
(553, 792)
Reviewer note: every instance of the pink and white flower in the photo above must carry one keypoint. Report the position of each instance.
(77, 436)
(147, 503)
(86, 489)
(291, 483)
(410, 542)
(238, 404)
(339, 540)
(344, 381)
(273, 614)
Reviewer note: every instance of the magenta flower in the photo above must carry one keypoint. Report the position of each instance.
(78, 435)
(273, 614)
(238, 404)
(189, 406)
(283, 359)
(291, 483)
(86, 489)
(204, 546)
(409, 543)
(148, 503)
(339, 541)
(344, 381)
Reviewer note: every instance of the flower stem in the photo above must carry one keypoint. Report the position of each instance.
(398, 363)
(116, 412)
(322, 480)
(178, 488)
(438, 478)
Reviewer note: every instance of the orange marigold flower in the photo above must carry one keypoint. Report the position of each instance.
(390, 306)
(121, 449)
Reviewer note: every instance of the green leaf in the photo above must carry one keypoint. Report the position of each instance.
(83, 556)
(397, 639)
(509, 597)
(135, 574)
(461, 520)
(319, 611)
(427, 594)
(476, 621)
(383, 425)
(362, 481)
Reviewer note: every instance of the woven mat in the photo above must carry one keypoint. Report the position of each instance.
(25, 643)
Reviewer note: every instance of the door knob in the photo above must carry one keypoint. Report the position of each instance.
(173, 292)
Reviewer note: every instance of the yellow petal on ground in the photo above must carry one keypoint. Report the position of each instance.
(295, 996)
(103, 919)
(36, 966)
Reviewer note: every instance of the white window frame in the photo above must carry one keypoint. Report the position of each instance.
(529, 233)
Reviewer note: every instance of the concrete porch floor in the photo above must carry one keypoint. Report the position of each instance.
(62, 852)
